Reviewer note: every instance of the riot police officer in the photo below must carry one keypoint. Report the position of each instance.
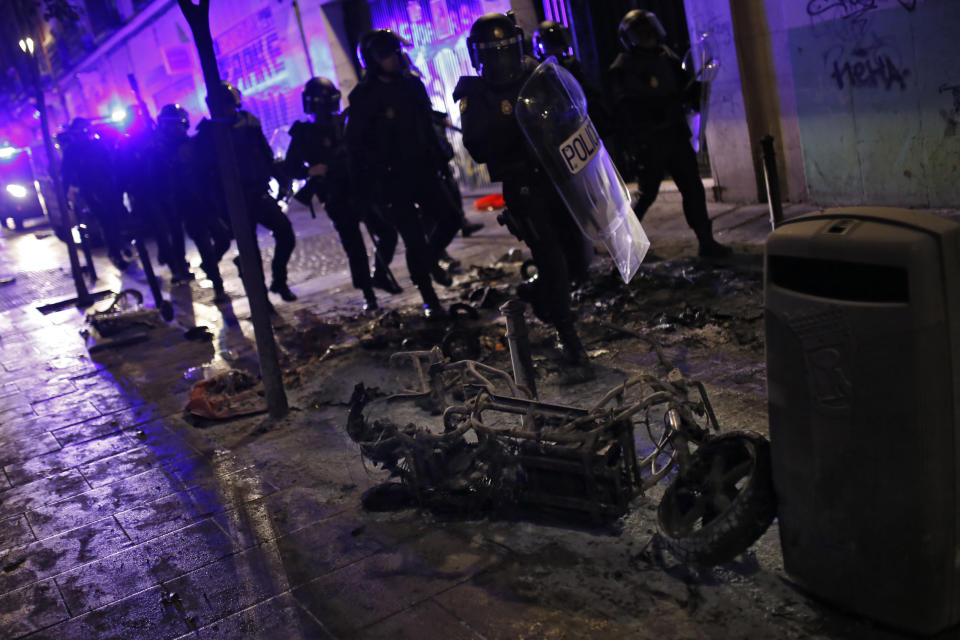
(537, 215)
(184, 200)
(395, 150)
(318, 153)
(89, 176)
(651, 94)
(154, 189)
(553, 39)
(256, 166)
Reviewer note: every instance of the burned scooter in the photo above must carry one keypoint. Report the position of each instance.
(501, 448)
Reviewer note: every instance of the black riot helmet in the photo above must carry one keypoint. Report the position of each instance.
(641, 31)
(228, 94)
(79, 127)
(77, 131)
(173, 120)
(378, 45)
(550, 39)
(495, 44)
(321, 97)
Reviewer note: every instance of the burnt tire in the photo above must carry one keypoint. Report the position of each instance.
(723, 502)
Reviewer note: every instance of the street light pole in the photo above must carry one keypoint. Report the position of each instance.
(84, 299)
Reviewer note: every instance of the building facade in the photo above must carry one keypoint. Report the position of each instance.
(862, 98)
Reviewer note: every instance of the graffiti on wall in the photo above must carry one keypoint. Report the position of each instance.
(250, 53)
(951, 118)
(850, 8)
(855, 54)
(873, 63)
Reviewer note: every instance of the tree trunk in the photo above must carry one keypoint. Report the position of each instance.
(198, 18)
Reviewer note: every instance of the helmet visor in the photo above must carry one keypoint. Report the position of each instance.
(501, 61)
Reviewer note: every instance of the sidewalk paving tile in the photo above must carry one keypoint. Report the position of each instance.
(113, 400)
(99, 503)
(424, 620)
(137, 568)
(8, 389)
(15, 532)
(43, 491)
(26, 610)
(106, 424)
(199, 470)
(517, 616)
(278, 514)
(148, 615)
(63, 459)
(73, 407)
(39, 393)
(14, 410)
(279, 617)
(52, 556)
(383, 584)
(180, 508)
(324, 547)
(230, 584)
(16, 450)
(121, 465)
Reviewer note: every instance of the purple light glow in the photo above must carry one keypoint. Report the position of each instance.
(556, 10)
(438, 30)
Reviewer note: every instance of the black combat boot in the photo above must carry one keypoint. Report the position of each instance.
(385, 281)
(432, 309)
(283, 290)
(468, 228)
(219, 294)
(441, 276)
(577, 367)
(370, 300)
(709, 247)
(529, 293)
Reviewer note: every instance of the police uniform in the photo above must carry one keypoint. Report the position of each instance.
(651, 93)
(187, 199)
(395, 151)
(323, 142)
(89, 165)
(648, 94)
(255, 165)
(540, 218)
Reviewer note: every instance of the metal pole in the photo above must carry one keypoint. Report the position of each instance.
(519, 343)
(772, 181)
(83, 295)
(303, 37)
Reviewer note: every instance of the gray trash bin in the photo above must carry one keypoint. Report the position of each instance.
(863, 364)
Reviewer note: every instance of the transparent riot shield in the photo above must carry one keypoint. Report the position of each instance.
(552, 112)
(700, 61)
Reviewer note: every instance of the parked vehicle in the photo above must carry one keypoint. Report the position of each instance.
(20, 198)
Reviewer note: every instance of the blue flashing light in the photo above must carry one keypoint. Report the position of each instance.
(7, 152)
(118, 115)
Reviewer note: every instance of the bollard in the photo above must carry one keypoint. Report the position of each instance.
(772, 181)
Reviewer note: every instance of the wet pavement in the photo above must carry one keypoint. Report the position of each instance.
(122, 516)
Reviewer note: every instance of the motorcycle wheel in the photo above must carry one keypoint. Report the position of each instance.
(722, 503)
